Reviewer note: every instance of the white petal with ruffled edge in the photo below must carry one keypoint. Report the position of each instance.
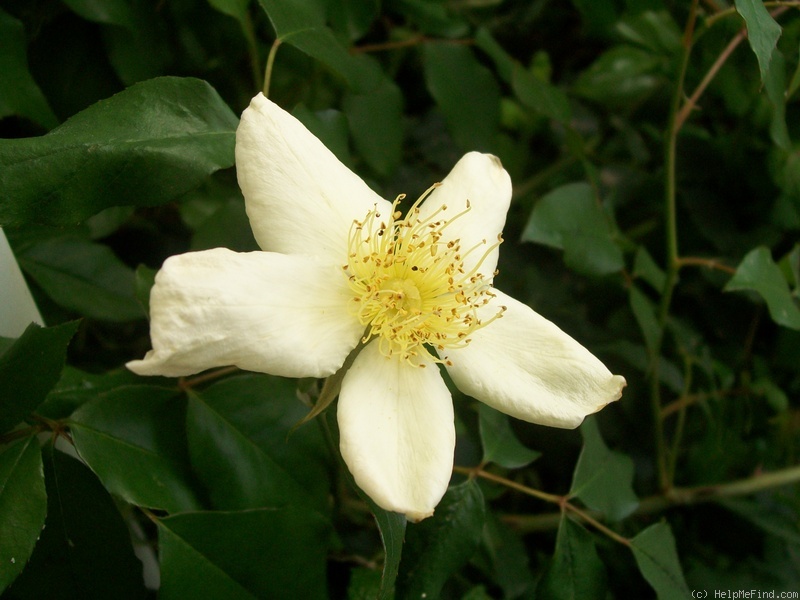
(260, 311)
(300, 198)
(525, 366)
(397, 434)
(481, 180)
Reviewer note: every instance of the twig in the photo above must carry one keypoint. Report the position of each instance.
(384, 46)
(524, 489)
(689, 105)
(690, 399)
(270, 63)
(186, 384)
(711, 263)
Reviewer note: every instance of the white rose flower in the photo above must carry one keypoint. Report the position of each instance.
(341, 269)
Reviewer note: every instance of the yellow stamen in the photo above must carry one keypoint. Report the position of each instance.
(411, 288)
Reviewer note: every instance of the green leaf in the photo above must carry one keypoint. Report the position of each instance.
(289, 18)
(440, 545)
(465, 91)
(477, 593)
(302, 24)
(144, 280)
(776, 398)
(330, 126)
(76, 387)
(107, 222)
(144, 146)
(540, 95)
(635, 355)
(645, 313)
(434, 18)
(262, 553)
(505, 557)
(503, 61)
(19, 93)
(83, 276)
(391, 525)
(598, 16)
(766, 516)
(140, 49)
(603, 479)
(239, 444)
(110, 12)
(376, 125)
(365, 584)
(5, 344)
(23, 506)
(655, 30)
(233, 8)
(500, 445)
(85, 549)
(134, 439)
(762, 31)
(215, 211)
(353, 17)
(794, 84)
(621, 79)
(657, 558)
(576, 571)
(790, 267)
(30, 368)
(533, 91)
(392, 528)
(228, 227)
(775, 87)
(570, 218)
(758, 272)
(645, 267)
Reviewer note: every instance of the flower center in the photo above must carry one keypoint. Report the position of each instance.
(411, 288)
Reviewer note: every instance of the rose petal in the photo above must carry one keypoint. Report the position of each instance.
(396, 432)
(272, 313)
(525, 366)
(299, 197)
(481, 180)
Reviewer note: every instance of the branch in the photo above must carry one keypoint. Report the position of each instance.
(674, 497)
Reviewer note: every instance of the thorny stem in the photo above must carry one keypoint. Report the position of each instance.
(678, 116)
(673, 264)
